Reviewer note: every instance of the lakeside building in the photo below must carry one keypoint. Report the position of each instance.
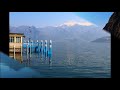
(15, 41)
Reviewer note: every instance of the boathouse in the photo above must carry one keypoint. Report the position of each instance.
(15, 41)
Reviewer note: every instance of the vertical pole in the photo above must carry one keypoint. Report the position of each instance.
(27, 51)
(50, 48)
(15, 39)
(21, 39)
(41, 49)
(50, 62)
(14, 51)
(41, 46)
(31, 46)
(45, 51)
(37, 44)
(37, 41)
(37, 48)
(50, 44)
(30, 50)
(28, 46)
(50, 54)
(21, 50)
(21, 54)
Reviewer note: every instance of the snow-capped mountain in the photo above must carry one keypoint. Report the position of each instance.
(73, 23)
(68, 31)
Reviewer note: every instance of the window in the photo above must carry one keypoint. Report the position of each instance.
(11, 39)
(18, 39)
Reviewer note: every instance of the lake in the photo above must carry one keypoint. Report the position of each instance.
(70, 59)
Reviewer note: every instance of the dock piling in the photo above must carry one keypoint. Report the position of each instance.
(41, 48)
(30, 50)
(21, 50)
(14, 51)
(27, 49)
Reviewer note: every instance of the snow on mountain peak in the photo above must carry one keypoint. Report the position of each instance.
(72, 23)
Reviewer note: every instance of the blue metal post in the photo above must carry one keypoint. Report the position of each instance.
(31, 46)
(45, 49)
(41, 48)
(50, 48)
(37, 43)
(27, 47)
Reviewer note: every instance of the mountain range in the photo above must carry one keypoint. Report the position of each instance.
(63, 32)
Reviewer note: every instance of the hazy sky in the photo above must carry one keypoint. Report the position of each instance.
(42, 19)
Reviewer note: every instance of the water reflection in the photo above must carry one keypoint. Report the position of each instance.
(68, 60)
(28, 60)
(17, 56)
(50, 61)
(33, 59)
(41, 56)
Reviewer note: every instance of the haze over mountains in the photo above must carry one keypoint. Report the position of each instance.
(105, 39)
(67, 31)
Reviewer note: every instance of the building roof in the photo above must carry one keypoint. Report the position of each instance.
(22, 34)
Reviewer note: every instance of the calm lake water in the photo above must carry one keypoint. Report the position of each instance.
(70, 59)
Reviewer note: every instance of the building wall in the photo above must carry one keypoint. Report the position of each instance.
(17, 45)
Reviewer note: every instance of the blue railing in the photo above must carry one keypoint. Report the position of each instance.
(38, 47)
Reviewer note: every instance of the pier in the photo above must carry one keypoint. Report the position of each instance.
(30, 48)
(17, 47)
(42, 46)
